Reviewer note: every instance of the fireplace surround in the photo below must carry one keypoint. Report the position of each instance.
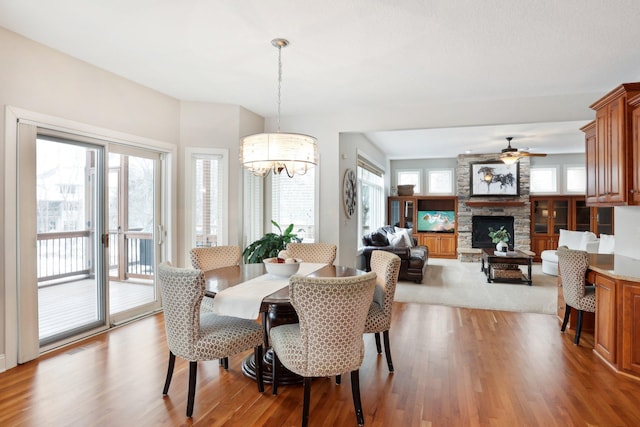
(518, 207)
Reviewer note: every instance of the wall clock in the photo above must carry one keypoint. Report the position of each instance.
(349, 198)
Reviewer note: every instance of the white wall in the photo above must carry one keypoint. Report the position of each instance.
(216, 126)
(627, 231)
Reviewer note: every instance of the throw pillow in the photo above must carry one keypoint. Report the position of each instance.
(587, 237)
(571, 239)
(607, 244)
(397, 240)
(406, 234)
(378, 239)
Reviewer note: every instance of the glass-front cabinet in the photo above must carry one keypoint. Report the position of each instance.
(548, 216)
(401, 211)
(596, 219)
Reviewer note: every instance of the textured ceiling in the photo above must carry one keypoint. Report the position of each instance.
(348, 55)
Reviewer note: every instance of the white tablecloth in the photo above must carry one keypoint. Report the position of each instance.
(244, 299)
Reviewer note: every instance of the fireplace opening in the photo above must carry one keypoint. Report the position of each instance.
(480, 225)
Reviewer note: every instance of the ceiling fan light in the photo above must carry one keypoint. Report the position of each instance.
(510, 159)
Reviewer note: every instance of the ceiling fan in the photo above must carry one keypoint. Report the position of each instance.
(511, 155)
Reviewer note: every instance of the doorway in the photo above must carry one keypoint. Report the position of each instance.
(66, 205)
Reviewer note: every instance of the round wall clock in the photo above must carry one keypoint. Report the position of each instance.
(349, 192)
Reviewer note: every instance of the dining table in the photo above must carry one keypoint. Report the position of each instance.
(247, 290)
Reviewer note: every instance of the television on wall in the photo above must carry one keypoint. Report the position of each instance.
(437, 221)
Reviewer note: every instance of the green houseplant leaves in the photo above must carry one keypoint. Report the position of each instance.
(269, 245)
(500, 235)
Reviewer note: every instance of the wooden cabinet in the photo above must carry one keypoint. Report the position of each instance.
(595, 219)
(606, 314)
(630, 357)
(609, 157)
(440, 245)
(634, 192)
(548, 216)
(433, 220)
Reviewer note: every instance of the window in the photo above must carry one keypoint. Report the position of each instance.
(371, 201)
(440, 181)
(293, 202)
(207, 189)
(576, 179)
(409, 177)
(544, 180)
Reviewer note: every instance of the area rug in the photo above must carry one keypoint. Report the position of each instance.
(462, 284)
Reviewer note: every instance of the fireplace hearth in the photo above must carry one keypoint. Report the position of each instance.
(480, 225)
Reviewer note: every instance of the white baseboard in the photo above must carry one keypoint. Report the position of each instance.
(3, 366)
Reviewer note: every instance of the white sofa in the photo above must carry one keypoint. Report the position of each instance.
(579, 240)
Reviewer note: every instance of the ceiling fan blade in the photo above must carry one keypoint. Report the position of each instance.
(527, 154)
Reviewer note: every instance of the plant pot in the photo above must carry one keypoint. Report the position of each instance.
(502, 246)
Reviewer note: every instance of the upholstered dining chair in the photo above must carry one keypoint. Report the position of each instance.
(195, 335)
(572, 267)
(209, 258)
(327, 341)
(386, 265)
(313, 252)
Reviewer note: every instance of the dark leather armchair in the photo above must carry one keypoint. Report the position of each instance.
(413, 261)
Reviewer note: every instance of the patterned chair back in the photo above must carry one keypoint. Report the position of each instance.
(332, 312)
(182, 291)
(313, 252)
(215, 257)
(572, 267)
(386, 265)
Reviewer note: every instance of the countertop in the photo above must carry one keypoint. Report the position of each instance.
(617, 266)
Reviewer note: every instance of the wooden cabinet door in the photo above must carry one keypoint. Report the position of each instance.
(448, 246)
(617, 154)
(603, 141)
(630, 327)
(605, 335)
(591, 154)
(634, 197)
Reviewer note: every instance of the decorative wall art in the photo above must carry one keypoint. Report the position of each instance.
(494, 179)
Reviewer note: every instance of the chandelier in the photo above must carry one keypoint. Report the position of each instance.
(293, 153)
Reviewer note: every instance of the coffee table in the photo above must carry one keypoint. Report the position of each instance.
(516, 258)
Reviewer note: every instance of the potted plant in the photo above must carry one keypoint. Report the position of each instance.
(269, 245)
(500, 237)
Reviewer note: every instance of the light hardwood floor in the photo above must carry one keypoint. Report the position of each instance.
(454, 367)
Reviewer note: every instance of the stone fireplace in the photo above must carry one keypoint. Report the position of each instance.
(517, 207)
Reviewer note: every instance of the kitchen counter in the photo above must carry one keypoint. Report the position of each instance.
(616, 266)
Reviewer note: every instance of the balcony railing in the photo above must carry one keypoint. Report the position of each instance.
(69, 254)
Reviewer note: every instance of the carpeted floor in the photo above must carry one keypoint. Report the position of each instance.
(462, 284)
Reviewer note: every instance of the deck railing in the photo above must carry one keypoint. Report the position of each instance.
(67, 254)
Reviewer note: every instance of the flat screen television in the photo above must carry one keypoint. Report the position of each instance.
(437, 221)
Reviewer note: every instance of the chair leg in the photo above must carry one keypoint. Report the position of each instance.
(225, 363)
(257, 353)
(567, 313)
(576, 340)
(275, 363)
(355, 391)
(378, 346)
(305, 403)
(387, 350)
(167, 382)
(193, 370)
